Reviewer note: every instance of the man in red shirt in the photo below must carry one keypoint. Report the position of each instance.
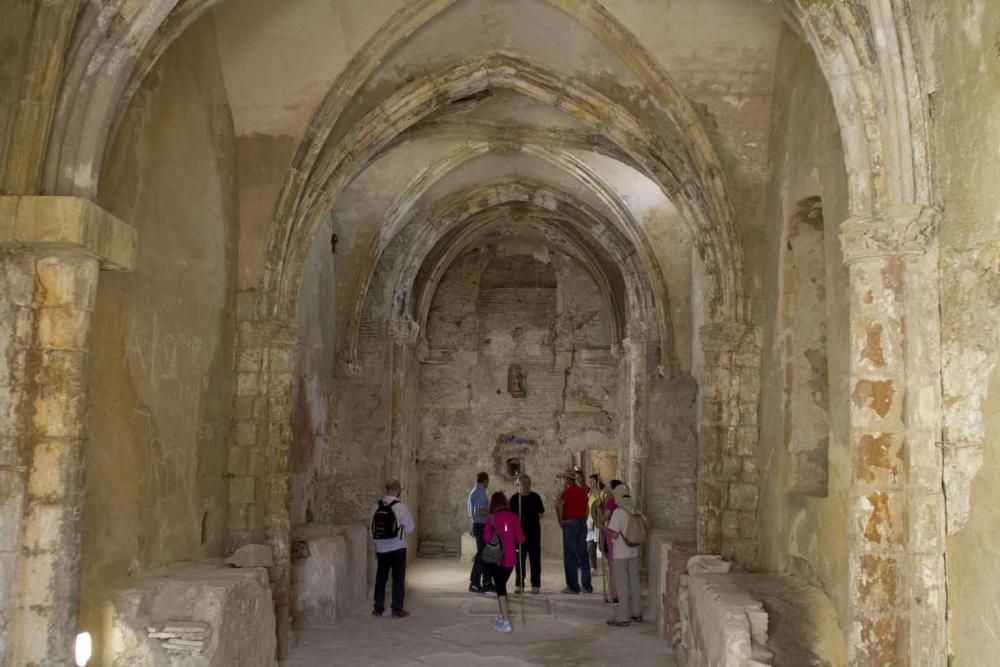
(572, 512)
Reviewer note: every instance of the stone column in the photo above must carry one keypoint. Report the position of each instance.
(897, 597)
(728, 480)
(401, 459)
(403, 336)
(53, 250)
(259, 493)
(637, 394)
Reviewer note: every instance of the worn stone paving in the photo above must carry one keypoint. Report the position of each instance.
(451, 627)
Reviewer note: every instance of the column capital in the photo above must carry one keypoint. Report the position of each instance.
(901, 230)
(722, 336)
(67, 222)
(404, 330)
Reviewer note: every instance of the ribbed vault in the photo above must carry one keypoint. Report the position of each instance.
(421, 146)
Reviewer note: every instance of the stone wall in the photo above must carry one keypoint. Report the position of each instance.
(804, 533)
(161, 367)
(14, 34)
(671, 476)
(495, 308)
(961, 67)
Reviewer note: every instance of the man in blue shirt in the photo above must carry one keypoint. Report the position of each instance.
(478, 508)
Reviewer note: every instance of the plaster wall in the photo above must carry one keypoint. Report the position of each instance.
(492, 309)
(353, 471)
(274, 90)
(804, 534)
(279, 60)
(721, 55)
(161, 357)
(314, 378)
(962, 69)
(14, 32)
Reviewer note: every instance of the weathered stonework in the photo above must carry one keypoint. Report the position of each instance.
(53, 249)
(727, 478)
(494, 307)
(968, 360)
(231, 606)
(655, 109)
(259, 493)
(897, 601)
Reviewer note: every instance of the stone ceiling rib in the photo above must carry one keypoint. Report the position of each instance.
(409, 105)
(475, 230)
(402, 213)
(443, 217)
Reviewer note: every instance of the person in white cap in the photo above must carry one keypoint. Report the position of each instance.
(625, 563)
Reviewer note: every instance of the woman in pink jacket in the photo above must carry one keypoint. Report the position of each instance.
(506, 524)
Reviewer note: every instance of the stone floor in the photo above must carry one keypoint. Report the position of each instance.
(451, 627)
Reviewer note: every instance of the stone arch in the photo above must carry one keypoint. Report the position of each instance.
(461, 208)
(423, 96)
(868, 55)
(438, 259)
(108, 40)
(401, 213)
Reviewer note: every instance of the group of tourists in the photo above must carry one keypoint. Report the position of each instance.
(593, 520)
(508, 535)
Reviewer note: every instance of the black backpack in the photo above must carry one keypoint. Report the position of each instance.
(384, 523)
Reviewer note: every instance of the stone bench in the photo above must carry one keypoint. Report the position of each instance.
(738, 619)
(195, 614)
(329, 573)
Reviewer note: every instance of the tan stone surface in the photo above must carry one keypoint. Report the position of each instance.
(230, 607)
(450, 626)
(298, 186)
(68, 222)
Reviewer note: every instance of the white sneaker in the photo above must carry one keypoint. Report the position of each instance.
(505, 628)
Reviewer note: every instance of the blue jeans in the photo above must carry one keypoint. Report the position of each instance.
(479, 576)
(575, 555)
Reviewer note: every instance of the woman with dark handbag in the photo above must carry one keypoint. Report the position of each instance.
(501, 553)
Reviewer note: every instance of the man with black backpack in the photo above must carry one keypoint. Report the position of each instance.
(391, 523)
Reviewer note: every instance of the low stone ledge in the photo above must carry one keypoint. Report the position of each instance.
(739, 619)
(329, 573)
(192, 614)
(721, 625)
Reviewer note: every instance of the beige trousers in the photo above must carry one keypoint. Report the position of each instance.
(629, 587)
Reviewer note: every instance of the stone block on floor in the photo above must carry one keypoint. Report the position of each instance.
(468, 547)
(722, 625)
(739, 619)
(329, 573)
(252, 555)
(192, 614)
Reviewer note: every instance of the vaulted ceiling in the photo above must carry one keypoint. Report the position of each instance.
(629, 132)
